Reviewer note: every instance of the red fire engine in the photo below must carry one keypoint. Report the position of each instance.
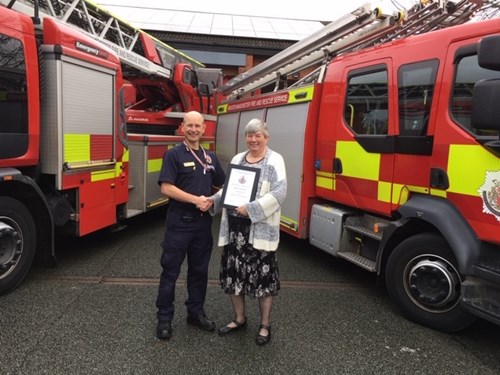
(88, 105)
(392, 150)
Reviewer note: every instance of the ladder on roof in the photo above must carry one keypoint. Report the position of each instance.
(359, 29)
(139, 51)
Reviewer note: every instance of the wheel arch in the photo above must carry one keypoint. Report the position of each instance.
(432, 214)
(25, 190)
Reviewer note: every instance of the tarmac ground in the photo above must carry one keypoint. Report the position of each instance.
(95, 314)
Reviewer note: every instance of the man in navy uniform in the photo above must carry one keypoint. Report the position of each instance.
(188, 175)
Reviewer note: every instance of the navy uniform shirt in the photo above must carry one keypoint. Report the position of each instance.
(181, 169)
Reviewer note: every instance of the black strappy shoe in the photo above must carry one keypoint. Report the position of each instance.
(263, 340)
(224, 330)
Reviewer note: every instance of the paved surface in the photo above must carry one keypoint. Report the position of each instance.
(95, 314)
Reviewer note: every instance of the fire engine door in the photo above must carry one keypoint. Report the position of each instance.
(413, 142)
(363, 157)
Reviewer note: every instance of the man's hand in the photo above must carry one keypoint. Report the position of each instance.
(203, 203)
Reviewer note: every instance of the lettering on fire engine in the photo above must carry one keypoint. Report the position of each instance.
(270, 100)
(137, 119)
(91, 50)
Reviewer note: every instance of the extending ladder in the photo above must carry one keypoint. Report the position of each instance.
(136, 49)
(356, 30)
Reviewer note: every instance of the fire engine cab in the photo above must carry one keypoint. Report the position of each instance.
(392, 151)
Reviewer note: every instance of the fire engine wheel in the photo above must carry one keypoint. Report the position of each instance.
(422, 279)
(17, 243)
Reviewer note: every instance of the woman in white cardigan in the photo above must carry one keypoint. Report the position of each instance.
(250, 234)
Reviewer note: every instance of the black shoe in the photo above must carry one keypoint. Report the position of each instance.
(226, 329)
(263, 340)
(202, 322)
(164, 330)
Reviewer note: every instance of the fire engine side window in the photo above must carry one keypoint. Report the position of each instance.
(13, 100)
(467, 74)
(366, 105)
(189, 77)
(415, 90)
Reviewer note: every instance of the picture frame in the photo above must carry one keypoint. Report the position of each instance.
(240, 186)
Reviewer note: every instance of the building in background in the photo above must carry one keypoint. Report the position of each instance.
(230, 42)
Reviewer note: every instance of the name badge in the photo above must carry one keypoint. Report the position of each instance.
(189, 164)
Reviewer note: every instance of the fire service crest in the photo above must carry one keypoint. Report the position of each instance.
(490, 194)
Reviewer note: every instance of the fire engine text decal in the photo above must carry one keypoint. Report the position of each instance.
(91, 50)
(490, 193)
(262, 102)
(300, 95)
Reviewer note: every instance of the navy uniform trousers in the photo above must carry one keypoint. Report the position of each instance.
(187, 233)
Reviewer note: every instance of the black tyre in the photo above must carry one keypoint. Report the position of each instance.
(423, 281)
(17, 243)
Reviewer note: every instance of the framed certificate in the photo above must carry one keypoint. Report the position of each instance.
(240, 186)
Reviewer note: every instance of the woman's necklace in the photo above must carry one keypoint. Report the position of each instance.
(255, 159)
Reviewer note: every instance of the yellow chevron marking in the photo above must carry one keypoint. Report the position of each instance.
(356, 162)
(154, 165)
(107, 174)
(76, 148)
(467, 166)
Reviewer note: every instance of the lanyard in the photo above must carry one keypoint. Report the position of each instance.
(207, 159)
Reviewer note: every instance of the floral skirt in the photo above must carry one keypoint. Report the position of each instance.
(245, 270)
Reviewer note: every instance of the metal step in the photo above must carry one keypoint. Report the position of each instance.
(133, 212)
(364, 231)
(359, 260)
(488, 270)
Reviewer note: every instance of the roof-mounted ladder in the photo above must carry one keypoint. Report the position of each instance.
(359, 29)
(130, 43)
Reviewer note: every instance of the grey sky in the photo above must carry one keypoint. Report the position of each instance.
(318, 10)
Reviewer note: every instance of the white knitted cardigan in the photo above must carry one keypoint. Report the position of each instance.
(265, 210)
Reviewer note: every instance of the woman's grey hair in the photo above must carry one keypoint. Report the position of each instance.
(256, 125)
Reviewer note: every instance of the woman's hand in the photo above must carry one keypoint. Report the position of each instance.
(242, 210)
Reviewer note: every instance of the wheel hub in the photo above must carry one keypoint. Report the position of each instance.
(10, 248)
(434, 283)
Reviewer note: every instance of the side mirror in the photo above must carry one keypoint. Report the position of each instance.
(485, 107)
(488, 52)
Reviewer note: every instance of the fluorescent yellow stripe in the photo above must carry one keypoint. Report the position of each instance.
(418, 189)
(290, 220)
(324, 174)
(222, 108)
(438, 193)
(118, 168)
(76, 148)
(154, 165)
(126, 156)
(356, 162)
(384, 191)
(102, 175)
(467, 166)
(309, 93)
(205, 145)
(325, 183)
(401, 193)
